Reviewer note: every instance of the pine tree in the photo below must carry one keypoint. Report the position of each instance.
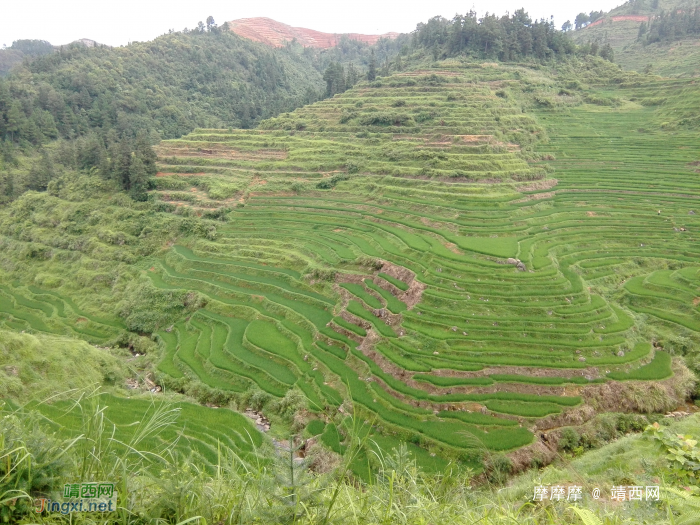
(144, 150)
(15, 120)
(138, 179)
(121, 163)
(41, 173)
(385, 68)
(642, 31)
(372, 72)
(352, 76)
(581, 20)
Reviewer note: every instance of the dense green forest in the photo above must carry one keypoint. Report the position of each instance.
(671, 25)
(165, 87)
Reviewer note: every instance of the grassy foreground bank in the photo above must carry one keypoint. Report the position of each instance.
(159, 481)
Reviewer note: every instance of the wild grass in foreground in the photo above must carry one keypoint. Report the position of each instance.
(160, 486)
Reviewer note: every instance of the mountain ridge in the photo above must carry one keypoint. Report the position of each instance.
(277, 34)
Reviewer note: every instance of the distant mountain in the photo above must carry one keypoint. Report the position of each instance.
(20, 49)
(276, 34)
(675, 54)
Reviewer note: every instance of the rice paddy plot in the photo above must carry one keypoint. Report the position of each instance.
(475, 267)
(194, 429)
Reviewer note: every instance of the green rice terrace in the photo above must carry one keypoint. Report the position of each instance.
(466, 256)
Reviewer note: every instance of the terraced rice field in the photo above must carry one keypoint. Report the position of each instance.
(32, 308)
(404, 247)
(186, 429)
(472, 293)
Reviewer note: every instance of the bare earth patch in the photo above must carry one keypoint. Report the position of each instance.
(538, 185)
(536, 197)
(453, 248)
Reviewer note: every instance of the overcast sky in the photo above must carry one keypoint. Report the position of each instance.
(118, 22)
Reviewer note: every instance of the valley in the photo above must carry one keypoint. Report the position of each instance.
(457, 280)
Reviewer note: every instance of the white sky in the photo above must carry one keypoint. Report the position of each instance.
(117, 22)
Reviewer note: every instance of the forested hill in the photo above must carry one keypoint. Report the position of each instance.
(165, 87)
(508, 38)
(659, 36)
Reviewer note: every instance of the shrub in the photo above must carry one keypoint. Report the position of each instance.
(292, 401)
(253, 398)
(386, 118)
(33, 462)
(569, 439)
(330, 182)
(498, 467)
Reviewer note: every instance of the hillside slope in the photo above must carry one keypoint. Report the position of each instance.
(165, 87)
(277, 34)
(403, 248)
(620, 28)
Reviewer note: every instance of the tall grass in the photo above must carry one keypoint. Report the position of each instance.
(270, 486)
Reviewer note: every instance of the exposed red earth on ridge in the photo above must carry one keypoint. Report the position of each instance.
(276, 34)
(621, 18)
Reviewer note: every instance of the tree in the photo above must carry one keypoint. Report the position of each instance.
(210, 23)
(89, 152)
(385, 67)
(7, 153)
(372, 71)
(490, 35)
(607, 52)
(352, 76)
(595, 15)
(41, 172)
(334, 76)
(581, 20)
(567, 26)
(138, 180)
(121, 163)
(15, 119)
(144, 150)
(642, 31)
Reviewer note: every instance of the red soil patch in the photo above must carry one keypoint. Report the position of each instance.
(621, 18)
(696, 301)
(276, 34)
(453, 248)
